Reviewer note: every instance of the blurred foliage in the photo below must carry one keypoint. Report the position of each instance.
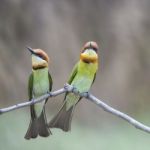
(122, 30)
(13, 126)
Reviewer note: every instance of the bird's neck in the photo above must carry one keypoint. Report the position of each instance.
(40, 71)
(41, 65)
(87, 68)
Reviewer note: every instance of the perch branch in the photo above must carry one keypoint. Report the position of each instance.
(33, 101)
(90, 97)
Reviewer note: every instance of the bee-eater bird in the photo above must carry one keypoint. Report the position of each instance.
(40, 82)
(82, 77)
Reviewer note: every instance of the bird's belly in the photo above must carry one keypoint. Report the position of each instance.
(40, 87)
(82, 84)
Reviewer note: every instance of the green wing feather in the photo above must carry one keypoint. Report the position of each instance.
(94, 78)
(50, 81)
(30, 86)
(30, 90)
(50, 84)
(73, 73)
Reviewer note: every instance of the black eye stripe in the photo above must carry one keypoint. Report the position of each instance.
(40, 56)
(95, 49)
(83, 50)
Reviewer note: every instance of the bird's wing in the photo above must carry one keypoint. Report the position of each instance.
(50, 81)
(73, 73)
(94, 78)
(50, 84)
(30, 93)
(30, 86)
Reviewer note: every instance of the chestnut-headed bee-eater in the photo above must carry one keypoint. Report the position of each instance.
(40, 82)
(82, 78)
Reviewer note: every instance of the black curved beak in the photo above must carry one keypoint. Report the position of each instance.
(30, 50)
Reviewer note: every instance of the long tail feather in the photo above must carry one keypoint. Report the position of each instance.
(38, 126)
(63, 119)
(32, 131)
(42, 126)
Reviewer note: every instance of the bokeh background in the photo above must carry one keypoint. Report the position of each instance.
(122, 30)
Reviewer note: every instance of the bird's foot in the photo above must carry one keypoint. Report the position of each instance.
(68, 87)
(32, 101)
(49, 93)
(71, 88)
(85, 94)
(75, 90)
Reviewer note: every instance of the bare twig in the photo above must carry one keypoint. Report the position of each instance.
(33, 101)
(90, 97)
(122, 115)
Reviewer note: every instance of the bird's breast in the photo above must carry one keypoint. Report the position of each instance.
(40, 82)
(85, 76)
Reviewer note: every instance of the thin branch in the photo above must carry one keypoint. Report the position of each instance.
(90, 97)
(115, 112)
(33, 101)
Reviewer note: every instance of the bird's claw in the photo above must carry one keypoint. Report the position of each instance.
(71, 88)
(75, 90)
(49, 93)
(85, 94)
(68, 87)
(32, 101)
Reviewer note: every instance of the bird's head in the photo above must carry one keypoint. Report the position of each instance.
(89, 52)
(39, 58)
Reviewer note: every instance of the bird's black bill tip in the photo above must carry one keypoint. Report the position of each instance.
(30, 49)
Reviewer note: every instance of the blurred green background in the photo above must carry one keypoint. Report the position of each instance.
(122, 30)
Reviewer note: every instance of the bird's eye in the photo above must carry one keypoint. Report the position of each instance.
(83, 50)
(42, 57)
(95, 49)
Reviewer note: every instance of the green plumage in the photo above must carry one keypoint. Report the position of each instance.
(82, 78)
(40, 82)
